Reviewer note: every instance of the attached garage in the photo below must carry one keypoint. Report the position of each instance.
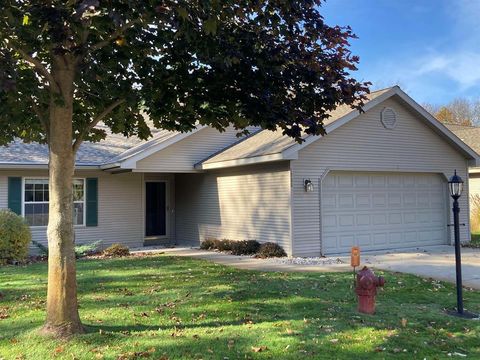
(380, 182)
(377, 179)
(380, 210)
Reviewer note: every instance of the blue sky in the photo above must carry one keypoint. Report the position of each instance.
(431, 48)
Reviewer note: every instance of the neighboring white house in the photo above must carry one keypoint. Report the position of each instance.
(377, 180)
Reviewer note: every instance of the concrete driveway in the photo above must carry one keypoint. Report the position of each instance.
(437, 262)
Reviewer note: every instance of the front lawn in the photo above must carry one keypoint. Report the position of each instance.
(163, 307)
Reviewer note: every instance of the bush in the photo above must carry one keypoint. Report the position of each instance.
(245, 247)
(269, 250)
(116, 250)
(87, 249)
(42, 249)
(80, 250)
(208, 244)
(223, 245)
(15, 237)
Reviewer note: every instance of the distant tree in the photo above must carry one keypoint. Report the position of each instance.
(446, 116)
(65, 66)
(459, 111)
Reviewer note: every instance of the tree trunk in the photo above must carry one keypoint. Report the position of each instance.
(62, 309)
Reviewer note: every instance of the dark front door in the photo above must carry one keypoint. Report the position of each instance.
(156, 209)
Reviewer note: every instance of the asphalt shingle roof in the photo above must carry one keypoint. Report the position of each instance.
(115, 147)
(470, 135)
(268, 142)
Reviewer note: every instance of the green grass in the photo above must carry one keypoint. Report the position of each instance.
(475, 240)
(178, 308)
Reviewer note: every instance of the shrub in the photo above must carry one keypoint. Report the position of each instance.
(80, 250)
(208, 244)
(116, 250)
(87, 249)
(42, 249)
(269, 249)
(15, 237)
(245, 247)
(223, 245)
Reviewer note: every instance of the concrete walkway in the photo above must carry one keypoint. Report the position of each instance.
(437, 262)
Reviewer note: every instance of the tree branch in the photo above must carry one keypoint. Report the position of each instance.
(37, 64)
(115, 35)
(94, 122)
(40, 116)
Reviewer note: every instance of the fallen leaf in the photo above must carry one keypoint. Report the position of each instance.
(259, 348)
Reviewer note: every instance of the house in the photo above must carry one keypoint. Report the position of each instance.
(377, 180)
(471, 136)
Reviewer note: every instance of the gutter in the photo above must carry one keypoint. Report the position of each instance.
(30, 166)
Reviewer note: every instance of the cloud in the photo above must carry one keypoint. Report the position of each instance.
(443, 69)
(463, 67)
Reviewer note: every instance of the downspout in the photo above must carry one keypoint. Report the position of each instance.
(320, 222)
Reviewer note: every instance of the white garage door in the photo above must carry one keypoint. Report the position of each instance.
(382, 210)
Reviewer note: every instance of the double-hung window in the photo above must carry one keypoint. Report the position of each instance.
(36, 198)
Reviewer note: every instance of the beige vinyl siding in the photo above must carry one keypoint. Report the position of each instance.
(120, 207)
(251, 202)
(474, 183)
(183, 155)
(365, 145)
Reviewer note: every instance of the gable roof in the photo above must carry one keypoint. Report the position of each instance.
(117, 151)
(271, 146)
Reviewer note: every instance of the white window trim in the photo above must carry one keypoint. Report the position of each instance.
(46, 178)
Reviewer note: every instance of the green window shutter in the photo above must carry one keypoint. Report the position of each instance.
(92, 202)
(15, 194)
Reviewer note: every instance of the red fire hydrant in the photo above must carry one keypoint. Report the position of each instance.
(366, 289)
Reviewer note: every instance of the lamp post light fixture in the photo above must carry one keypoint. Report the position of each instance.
(455, 186)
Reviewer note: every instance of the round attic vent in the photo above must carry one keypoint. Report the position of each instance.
(389, 118)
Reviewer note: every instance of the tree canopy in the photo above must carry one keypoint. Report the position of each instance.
(264, 63)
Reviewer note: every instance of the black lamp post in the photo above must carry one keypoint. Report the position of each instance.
(455, 185)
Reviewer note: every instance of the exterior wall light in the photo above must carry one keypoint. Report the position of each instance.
(308, 185)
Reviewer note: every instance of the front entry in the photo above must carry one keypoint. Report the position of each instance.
(156, 209)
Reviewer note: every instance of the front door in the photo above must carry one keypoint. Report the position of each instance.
(156, 209)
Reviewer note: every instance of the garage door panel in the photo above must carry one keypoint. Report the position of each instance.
(381, 211)
(345, 201)
(362, 201)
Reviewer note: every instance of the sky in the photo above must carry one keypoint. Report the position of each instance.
(430, 48)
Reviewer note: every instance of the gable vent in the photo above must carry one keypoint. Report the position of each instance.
(389, 118)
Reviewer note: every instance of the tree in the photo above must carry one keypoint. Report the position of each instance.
(65, 66)
(446, 116)
(459, 111)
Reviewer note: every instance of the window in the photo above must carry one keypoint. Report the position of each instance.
(36, 202)
(78, 201)
(36, 199)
